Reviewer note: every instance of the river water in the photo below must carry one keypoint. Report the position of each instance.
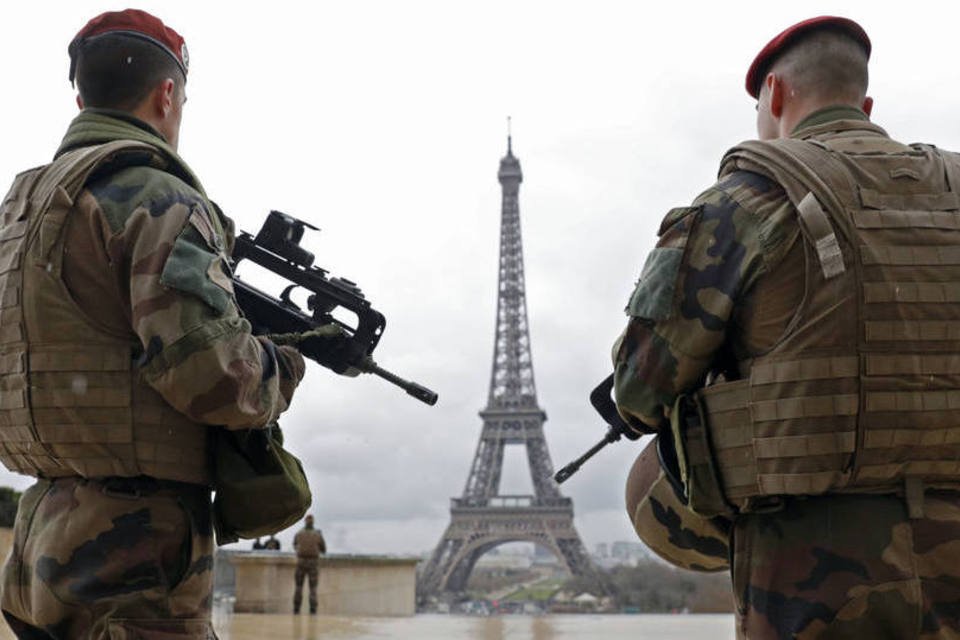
(453, 627)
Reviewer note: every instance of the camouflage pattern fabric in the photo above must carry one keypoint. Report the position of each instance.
(308, 568)
(197, 350)
(145, 262)
(720, 288)
(667, 526)
(118, 559)
(844, 567)
(712, 260)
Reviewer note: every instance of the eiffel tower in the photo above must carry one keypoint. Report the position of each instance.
(482, 518)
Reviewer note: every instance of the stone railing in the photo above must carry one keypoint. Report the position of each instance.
(348, 585)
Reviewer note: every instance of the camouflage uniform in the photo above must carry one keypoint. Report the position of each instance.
(309, 544)
(720, 290)
(114, 540)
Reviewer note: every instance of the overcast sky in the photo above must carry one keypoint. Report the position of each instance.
(383, 123)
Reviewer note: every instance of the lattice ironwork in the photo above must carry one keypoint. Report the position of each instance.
(482, 519)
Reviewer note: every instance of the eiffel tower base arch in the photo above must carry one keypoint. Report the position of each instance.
(473, 531)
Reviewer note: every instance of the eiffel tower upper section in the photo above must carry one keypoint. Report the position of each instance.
(511, 379)
(512, 414)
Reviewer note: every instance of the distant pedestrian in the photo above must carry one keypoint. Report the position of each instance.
(258, 545)
(272, 544)
(309, 544)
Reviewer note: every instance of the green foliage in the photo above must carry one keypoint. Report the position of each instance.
(9, 499)
(654, 587)
(540, 591)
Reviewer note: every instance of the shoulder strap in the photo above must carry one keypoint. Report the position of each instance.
(56, 187)
(71, 170)
(790, 162)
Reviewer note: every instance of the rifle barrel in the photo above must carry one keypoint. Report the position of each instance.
(418, 391)
(573, 467)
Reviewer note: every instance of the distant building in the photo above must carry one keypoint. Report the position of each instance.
(619, 553)
(622, 550)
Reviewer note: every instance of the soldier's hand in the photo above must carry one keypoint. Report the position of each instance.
(322, 333)
(328, 344)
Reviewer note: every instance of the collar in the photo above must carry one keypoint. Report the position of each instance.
(828, 114)
(98, 126)
(832, 119)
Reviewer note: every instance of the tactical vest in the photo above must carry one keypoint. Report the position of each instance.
(862, 392)
(71, 400)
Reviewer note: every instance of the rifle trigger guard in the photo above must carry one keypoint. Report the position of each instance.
(285, 297)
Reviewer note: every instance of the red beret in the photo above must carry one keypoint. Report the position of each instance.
(135, 23)
(776, 46)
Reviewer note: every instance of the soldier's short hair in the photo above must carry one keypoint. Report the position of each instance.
(828, 63)
(116, 71)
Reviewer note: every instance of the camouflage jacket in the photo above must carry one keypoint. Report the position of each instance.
(696, 310)
(142, 237)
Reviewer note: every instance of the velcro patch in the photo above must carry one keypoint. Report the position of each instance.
(194, 268)
(652, 298)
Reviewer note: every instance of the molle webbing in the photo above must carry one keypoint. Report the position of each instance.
(818, 414)
(770, 437)
(71, 399)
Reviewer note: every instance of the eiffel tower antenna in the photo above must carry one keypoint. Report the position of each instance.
(482, 518)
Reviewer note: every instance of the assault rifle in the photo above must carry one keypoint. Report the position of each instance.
(616, 427)
(276, 248)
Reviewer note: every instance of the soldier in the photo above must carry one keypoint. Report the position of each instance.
(121, 345)
(792, 340)
(309, 544)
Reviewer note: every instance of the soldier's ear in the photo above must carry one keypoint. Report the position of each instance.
(776, 88)
(79, 102)
(164, 96)
(867, 105)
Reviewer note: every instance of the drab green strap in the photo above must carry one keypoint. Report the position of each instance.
(893, 255)
(933, 292)
(805, 369)
(917, 331)
(912, 364)
(805, 407)
(800, 483)
(872, 199)
(893, 437)
(866, 219)
(817, 226)
(818, 444)
(913, 401)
